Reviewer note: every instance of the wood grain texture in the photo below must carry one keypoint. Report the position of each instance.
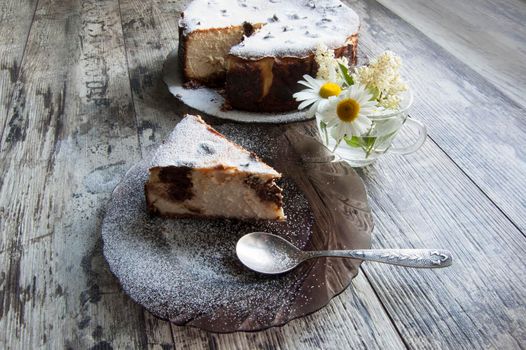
(15, 22)
(480, 129)
(488, 35)
(68, 140)
(338, 326)
(353, 320)
(420, 201)
(148, 33)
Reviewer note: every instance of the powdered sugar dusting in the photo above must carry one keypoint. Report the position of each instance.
(292, 27)
(194, 144)
(181, 269)
(186, 270)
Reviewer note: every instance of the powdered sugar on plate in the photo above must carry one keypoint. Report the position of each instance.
(186, 270)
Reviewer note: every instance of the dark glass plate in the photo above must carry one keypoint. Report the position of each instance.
(186, 271)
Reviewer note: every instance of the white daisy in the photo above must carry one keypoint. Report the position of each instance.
(316, 95)
(346, 114)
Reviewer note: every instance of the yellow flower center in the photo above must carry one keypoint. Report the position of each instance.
(330, 89)
(348, 110)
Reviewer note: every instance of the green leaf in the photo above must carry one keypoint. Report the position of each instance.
(365, 142)
(354, 141)
(375, 92)
(369, 141)
(345, 74)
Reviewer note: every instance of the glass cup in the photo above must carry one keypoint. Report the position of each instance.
(364, 150)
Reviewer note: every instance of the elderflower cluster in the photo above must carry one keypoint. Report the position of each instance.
(328, 65)
(382, 75)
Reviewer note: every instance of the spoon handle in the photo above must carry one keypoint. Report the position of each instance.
(422, 258)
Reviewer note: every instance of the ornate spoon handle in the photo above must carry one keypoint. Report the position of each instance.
(423, 258)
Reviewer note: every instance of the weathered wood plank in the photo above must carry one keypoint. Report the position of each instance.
(338, 326)
(70, 137)
(490, 36)
(479, 302)
(480, 129)
(159, 333)
(15, 23)
(148, 29)
(351, 320)
(150, 32)
(191, 338)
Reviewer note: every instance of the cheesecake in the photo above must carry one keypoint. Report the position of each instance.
(197, 172)
(258, 50)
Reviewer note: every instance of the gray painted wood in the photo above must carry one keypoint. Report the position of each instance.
(88, 102)
(353, 320)
(15, 22)
(480, 129)
(488, 35)
(68, 140)
(478, 302)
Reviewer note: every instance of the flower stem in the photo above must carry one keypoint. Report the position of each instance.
(337, 144)
(369, 144)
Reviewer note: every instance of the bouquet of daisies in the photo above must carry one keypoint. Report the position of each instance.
(343, 100)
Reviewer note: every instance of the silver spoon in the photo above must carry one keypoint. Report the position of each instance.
(270, 254)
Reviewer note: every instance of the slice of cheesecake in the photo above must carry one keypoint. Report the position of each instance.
(197, 172)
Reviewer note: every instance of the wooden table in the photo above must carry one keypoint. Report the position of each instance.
(81, 98)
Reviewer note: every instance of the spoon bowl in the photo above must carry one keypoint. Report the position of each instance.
(267, 253)
(270, 254)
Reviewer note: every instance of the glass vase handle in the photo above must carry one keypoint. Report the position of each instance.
(419, 141)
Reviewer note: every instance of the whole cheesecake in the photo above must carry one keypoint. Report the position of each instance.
(259, 49)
